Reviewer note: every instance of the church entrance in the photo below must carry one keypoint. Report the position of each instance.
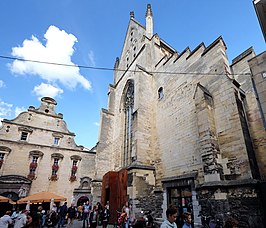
(180, 191)
(181, 197)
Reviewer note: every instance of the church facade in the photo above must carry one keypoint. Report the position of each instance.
(182, 128)
(38, 153)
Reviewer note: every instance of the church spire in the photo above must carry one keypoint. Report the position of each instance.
(149, 22)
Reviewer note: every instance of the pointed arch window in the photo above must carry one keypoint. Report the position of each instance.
(128, 107)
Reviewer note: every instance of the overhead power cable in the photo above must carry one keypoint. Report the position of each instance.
(115, 69)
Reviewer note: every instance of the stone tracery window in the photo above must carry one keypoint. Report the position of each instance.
(128, 108)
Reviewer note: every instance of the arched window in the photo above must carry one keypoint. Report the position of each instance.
(128, 107)
(160, 93)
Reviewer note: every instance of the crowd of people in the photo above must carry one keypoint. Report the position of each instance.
(91, 216)
(171, 220)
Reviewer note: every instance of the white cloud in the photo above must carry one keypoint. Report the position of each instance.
(2, 84)
(5, 109)
(19, 110)
(96, 124)
(91, 58)
(58, 49)
(46, 90)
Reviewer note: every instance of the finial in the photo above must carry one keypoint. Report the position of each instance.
(148, 11)
(149, 22)
(132, 14)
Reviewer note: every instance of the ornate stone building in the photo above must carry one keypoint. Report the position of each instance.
(38, 153)
(182, 128)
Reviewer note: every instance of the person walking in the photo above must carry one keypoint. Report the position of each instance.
(71, 213)
(85, 214)
(187, 220)
(62, 212)
(105, 216)
(80, 210)
(6, 220)
(94, 217)
(21, 220)
(171, 214)
(125, 209)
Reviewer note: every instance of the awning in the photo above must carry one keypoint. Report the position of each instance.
(42, 197)
(6, 200)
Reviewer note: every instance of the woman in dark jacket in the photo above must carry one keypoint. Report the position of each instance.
(71, 211)
(93, 217)
(105, 216)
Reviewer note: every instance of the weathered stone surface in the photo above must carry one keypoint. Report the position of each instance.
(187, 118)
(43, 125)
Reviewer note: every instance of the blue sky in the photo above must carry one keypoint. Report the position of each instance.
(91, 33)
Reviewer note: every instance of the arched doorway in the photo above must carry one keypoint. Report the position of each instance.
(82, 200)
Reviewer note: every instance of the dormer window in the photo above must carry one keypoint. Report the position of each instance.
(25, 131)
(57, 137)
(24, 136)
(56, 141)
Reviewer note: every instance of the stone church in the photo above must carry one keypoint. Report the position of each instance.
(38, 153)
(184, 128)
(181, 127)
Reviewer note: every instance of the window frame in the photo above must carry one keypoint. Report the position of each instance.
(23, 135)
(56, 141)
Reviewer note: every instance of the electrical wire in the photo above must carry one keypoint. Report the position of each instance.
(114, 69)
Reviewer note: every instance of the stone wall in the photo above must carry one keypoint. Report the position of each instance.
(240, 202)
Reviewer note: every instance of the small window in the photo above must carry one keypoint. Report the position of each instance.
(24, 136)
(75, 163)
(56, 141)
(55, 166)
(54, 172)
(160, 93)
(2, 155)
(34, 159)
(32, 170)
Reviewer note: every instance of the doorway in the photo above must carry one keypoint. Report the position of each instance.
(181, 197)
